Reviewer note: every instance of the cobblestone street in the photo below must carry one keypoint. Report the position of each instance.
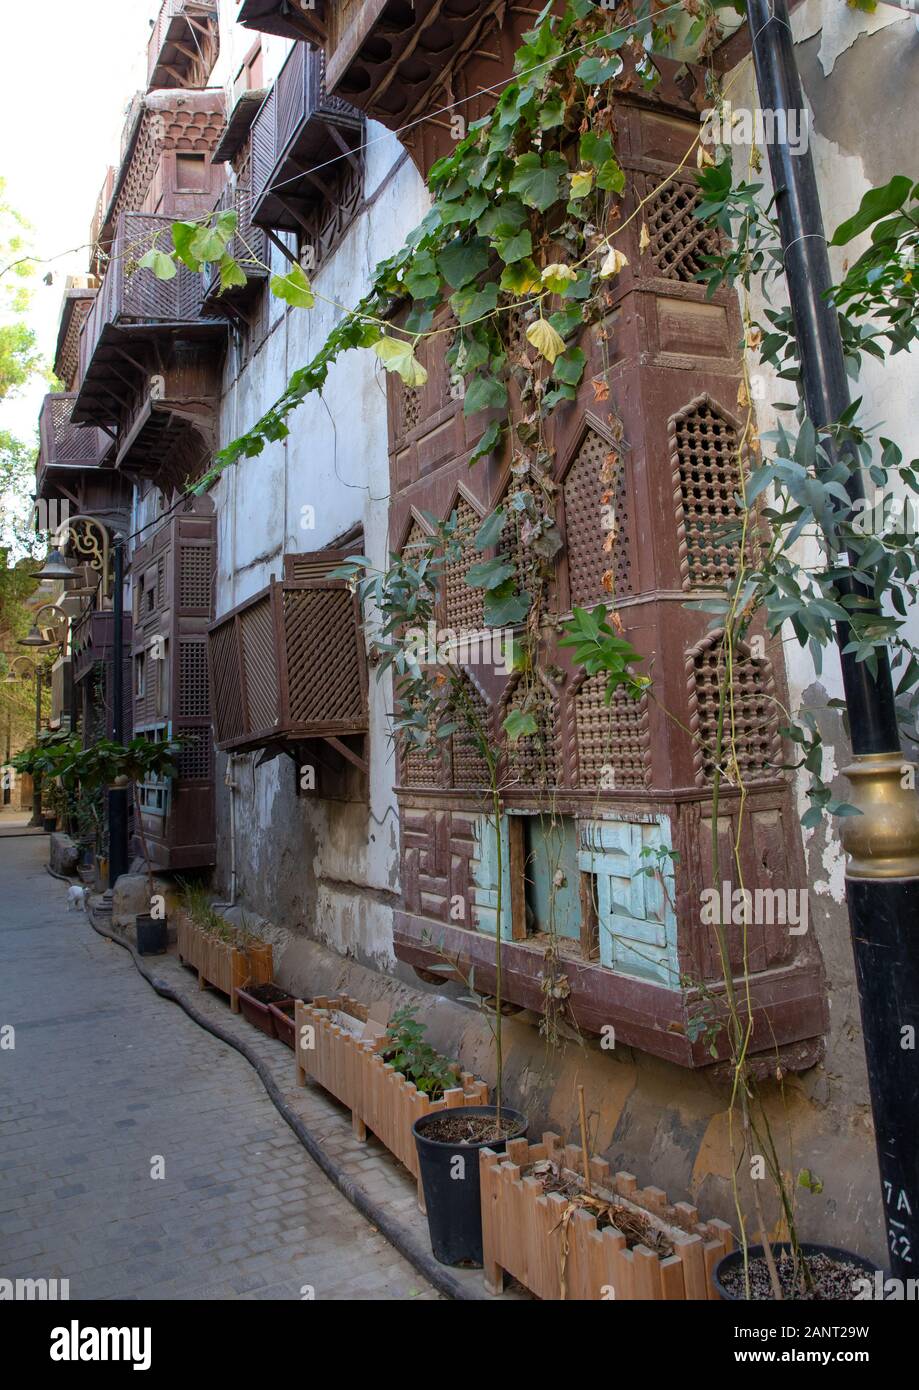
(106, 1079)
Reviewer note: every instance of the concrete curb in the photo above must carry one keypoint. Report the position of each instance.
(403, 1240)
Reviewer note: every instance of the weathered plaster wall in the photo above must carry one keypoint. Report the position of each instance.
(325, 867)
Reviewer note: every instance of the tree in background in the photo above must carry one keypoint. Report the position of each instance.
(20, 362)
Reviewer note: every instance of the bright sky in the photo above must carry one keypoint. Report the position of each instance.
(71, 69)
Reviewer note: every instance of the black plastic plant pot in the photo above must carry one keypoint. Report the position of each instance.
(866, 1268)
(152, 935)
(49, 824)
(450, 1179)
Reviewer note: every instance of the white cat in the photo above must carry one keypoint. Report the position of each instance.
(76, 898)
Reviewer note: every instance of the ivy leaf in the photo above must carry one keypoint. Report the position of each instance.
(208, 244)
(488, 443)
(570, 366)
(566, 319)
(504, 606)
(293, 288)
(490, 530)
(462, 261)
(163, 266)
(182, 234)
(422, 279)
(503, 219)
(226, 224)
(543, 337)
(538, 181)
(489, 574)
(520, 278)
(516, 247)
(595, 70)
(231, 273)
(581, 183)
(484, 393)
(552, 113)
(397, 355)
(518, 724)
(557, 277)
(610, 177)
(471, 304)
(558, 394)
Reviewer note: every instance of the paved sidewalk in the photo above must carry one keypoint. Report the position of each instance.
(108, 1081)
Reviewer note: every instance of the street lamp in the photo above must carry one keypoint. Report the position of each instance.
(56, 569)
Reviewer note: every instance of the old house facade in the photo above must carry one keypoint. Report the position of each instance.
(372, 866)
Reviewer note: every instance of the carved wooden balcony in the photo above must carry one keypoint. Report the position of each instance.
(134, 311)
(93, 641)
(78, 300)
(184, 44)
(296, 135)
(173, 581)
(249, 247)
(288, 666)
(65, 449)
(287, 18)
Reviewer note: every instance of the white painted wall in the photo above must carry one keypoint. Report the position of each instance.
(335, 461)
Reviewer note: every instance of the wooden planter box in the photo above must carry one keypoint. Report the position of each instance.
(524, 1232)
(218, 963)
(380, 1098)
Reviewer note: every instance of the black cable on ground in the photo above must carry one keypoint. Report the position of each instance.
(437, 1274)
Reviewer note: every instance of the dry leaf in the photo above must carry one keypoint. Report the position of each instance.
(644, 240)
(742, 396)
(601, 389)
(543, 337)
(613, 263)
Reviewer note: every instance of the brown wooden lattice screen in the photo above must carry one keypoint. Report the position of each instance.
(289, 663)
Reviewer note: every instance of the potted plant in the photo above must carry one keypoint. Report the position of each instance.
(567, 1228)
(260, 1004)
(388, 1080)
(804, 1270)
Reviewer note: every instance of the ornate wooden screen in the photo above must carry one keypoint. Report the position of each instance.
(653, 438)
(173, 594)
(288, 665)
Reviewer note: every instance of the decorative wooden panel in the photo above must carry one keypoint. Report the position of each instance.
(172, 575)
(679, 241)
(468, 767)
(257, 637)
(751, 725)
(705, 447)
(612, 739)
(325, 681)
(596, 549)
(229, 721)
(533, 760)
(464, 607)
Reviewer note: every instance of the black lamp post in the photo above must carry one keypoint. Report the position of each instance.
(882, 878)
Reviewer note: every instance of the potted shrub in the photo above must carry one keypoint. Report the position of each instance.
(228, 958)
(388, 1081)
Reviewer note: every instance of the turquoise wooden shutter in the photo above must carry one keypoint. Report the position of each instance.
(485, 876)
(637, 924)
